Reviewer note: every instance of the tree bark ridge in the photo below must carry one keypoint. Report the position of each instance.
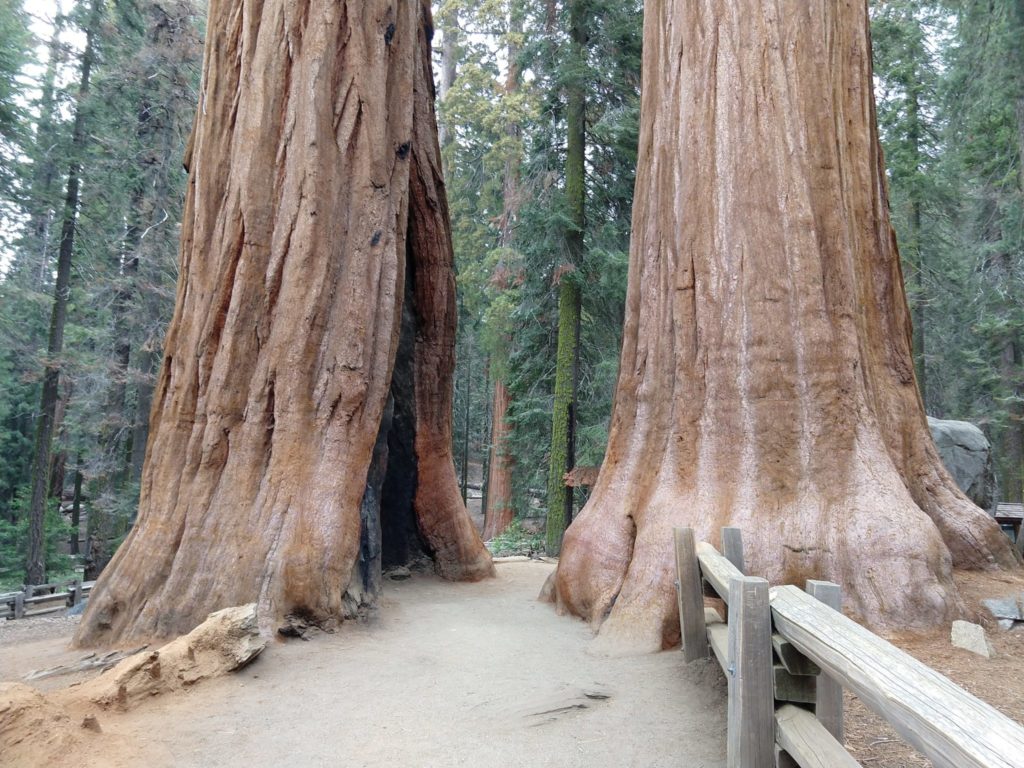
(311, 186)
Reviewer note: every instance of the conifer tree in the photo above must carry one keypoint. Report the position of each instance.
(35, 569)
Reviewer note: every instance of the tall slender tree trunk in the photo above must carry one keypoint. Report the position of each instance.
(767, 377)
(35, 568)
(449, 65)
(499, 510)
(44, 173)
(466, 408)
(917, 271)
(146, 364)
(76, 507)
(316, 259)
(117, 435)
(1013, 439)
(563, 424)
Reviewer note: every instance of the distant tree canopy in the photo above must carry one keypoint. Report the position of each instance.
(134, 122)
(950, 123)
(950, 80)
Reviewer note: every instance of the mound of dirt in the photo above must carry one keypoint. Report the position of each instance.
(33, 730)
(38, 730)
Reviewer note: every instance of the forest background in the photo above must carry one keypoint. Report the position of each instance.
(539, 108)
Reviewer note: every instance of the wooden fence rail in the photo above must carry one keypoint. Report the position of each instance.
(40, 599)
(787, 654)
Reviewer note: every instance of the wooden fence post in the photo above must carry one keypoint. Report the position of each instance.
(732, 547)
(691, 596)
(19, 605)
(76, 592)
(829, 705)
(783, 759)
(751, 739)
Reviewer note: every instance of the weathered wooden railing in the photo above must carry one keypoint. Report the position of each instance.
(787, 654)
(1011, 514)
(43, 598)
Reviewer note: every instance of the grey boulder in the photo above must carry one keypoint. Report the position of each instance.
(1008, 611)
(967, 455)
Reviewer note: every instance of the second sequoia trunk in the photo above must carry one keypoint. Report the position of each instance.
(766, 378)
(285, 462)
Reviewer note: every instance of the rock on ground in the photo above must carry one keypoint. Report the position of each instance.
(971, 637)
(967, 455)
(1008, 611)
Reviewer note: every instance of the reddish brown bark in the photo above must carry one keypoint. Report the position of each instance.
(499, 483)
(314, 186)
(441, 513)
(766, 375)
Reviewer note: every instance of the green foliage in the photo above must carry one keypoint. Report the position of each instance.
(904, 34)
(985, 102)
(15, 53)
(14, 541)
(516, 540)
(509, 286)
(138, 113)
(951, 112)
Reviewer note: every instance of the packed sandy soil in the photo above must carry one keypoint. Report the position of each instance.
(446, 675)
(466, 675)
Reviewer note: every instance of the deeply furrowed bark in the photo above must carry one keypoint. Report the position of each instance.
(314, 182)
(766, 377)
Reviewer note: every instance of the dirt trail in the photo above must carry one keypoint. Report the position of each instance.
(448, 675)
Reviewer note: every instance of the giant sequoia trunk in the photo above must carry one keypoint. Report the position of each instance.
(499, 513)
(766, 377)
(316, 258)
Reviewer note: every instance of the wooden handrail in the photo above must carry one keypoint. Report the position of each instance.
(813, 653)
(716, 569)
(26, 603)
(942, 720)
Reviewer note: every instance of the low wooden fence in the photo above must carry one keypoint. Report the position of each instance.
(1012, 515)
(43, 598)
(788, 654)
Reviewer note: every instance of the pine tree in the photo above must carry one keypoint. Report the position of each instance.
(15, 53)
(35, 569)
(985, 97)
(907, 92)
